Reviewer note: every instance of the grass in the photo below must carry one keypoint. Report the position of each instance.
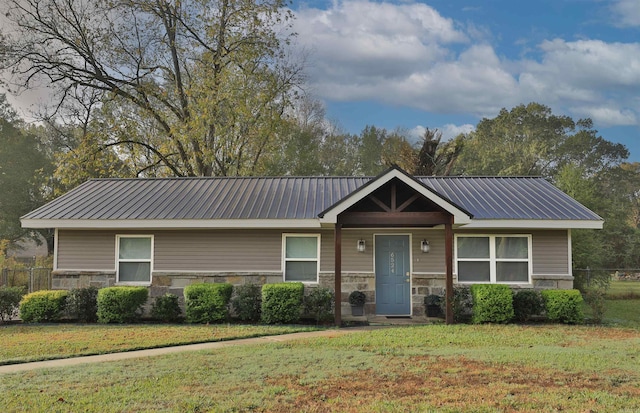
(22, 343)
(487, 368)
(624, 290)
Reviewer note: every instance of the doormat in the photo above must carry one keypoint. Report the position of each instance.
(399, 316)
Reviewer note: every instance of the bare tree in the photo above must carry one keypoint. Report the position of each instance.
(194, 87)
(436, 157)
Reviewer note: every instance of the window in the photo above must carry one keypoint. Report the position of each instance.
(493, 259)
(134, 254)
(301, 254)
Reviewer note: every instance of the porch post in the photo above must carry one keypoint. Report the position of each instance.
(338, 274)
(448, 253)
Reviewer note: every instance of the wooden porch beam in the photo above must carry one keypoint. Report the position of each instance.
(338, 274)
(393, 196)
(379, 203)
(394, 218)
(448, 253)
(408, 202)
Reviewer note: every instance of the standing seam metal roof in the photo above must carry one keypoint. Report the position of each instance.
(221, 198)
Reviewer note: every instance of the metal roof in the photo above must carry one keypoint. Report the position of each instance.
(231, 198)
(531, 198)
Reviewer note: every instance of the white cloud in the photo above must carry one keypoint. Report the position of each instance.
(409, 55)
(608, 116)
(449, 131)
(374, 40)
(400, 54)
(626, 13)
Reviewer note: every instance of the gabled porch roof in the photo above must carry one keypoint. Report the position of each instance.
(330, 215)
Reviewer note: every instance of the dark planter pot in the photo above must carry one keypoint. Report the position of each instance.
(357, 310)
(433, 311)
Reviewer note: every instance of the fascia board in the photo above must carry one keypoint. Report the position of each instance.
(533, 224)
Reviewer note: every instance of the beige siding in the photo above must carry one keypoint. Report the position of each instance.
(86, 250)
(550, 252)
(432, 262)
(261, 250)
(226, 250)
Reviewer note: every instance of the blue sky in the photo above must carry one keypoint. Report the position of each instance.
(446, 64)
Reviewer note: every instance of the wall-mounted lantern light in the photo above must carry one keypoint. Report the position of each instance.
(362, 245)
(424, 246)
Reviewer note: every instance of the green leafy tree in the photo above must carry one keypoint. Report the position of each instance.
(193, 88)
(23, 164)
(370, 150)
(521, 141)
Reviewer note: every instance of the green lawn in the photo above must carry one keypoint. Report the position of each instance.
(488, 368)
(20, 343)
(620, 289)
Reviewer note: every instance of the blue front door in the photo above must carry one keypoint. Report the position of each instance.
(393, 275)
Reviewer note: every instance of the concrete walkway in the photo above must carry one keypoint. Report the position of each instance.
(14, 368)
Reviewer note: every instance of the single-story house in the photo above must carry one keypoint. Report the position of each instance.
(395, 237)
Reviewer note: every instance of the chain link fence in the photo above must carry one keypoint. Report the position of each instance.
(32, 279)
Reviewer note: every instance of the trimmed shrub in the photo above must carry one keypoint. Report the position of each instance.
(462, 304)
(281, 302)
(43, 306)
(527, 303)
(207, 303)
(594, 297)
(10, 302)
(318, 304)
(247, 302)
(121, 304)
(166, 308)
(563, 306)
(82, 304)
(492, 303)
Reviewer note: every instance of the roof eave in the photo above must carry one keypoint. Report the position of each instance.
(534, 224)
(169, 223)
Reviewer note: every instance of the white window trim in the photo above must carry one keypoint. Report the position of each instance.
(285, 260)
(118, 260)
(493, 260)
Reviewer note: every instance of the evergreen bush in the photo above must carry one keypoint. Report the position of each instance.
(527, 303)
(563, 306)
(82, 304)
(282, 302)
(247, 301)
(207, 302)
(10, 302)
(121, 304)
(492, 303)
(166, 308)
(318, 304)
(43, 306)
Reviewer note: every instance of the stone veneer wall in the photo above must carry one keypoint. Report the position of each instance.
(421, 285)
